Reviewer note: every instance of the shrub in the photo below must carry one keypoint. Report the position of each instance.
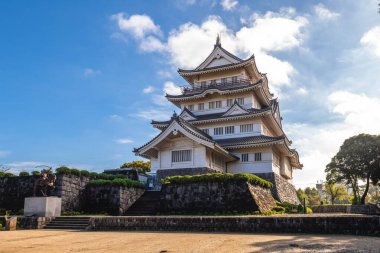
(308, 210)
(6, 174)
(117, 182)
(85, 173)
(63, 170)
(279, 209)
(72, 171)
(23, 174)
(218, 177)
(36, 173)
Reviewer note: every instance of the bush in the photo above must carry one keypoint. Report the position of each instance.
(6, 174)
(23, 174)
(72, 171)
(117, 182)
(36, 173)
(218, 177)
(85, 173)
(279, 209)
(63, 170)
(308, 210)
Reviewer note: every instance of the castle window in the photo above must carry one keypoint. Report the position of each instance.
(218, 104)
(211, 105)
(201, 107)
(230, 101)
(240, 101)
(246, 128)
(190, 107)
(213, 82)
(224, 80)
(257, 156)
(179, 156)
(229, 129)
(205, 130)
(234, 79)
(218, 130)
(203, 84)
(244, 157)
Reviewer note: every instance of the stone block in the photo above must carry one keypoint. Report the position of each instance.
(43, 206)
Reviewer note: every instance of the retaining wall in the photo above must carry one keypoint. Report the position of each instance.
(114, 200)
(358, 209)
(215, 197)
(355, 225)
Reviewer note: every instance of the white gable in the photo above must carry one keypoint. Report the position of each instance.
(186, 116)
(217, 58)
(235, 110)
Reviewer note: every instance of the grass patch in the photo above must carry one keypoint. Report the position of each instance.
(218, 177)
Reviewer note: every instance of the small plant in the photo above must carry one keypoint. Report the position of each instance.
(24, 174)
(36, 173)
(279, 209)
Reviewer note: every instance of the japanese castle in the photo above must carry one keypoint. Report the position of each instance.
(229, 123)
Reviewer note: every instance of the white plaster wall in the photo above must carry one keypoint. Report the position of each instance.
(164, 160)
(257, 129)
(252, 166)
(286, 168)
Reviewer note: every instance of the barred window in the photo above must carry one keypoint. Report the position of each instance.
(230, 102)
(201, 107)
(257, 156)
(190, 107)
(211, 105)
(240, 101)
(224, 80)
(244, 157)
(218, 130)
(246, 128)
(213, 82)
(203, 84)
(229, 129)
(218, 104)
(234, 79)
(205, 130)
(179, 156)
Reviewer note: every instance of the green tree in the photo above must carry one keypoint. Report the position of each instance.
(141, 166)
(358, 159)
(302, 195)
(336, 192)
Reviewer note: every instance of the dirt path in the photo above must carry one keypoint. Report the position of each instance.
(60, 241)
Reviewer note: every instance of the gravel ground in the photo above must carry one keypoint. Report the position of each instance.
(59, 241)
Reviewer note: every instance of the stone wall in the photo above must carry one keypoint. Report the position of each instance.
(33, 222)
(355, 225)
(71, 189)
(114, 200)
(282, 190)
(13, 191)
(215, 197)
(181, 172)
(358, 209)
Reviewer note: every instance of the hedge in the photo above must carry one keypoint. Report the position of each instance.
(117, 182)
(6, 174)
(218, 177)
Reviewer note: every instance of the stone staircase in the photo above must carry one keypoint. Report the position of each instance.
(68, 222)
(147, 204)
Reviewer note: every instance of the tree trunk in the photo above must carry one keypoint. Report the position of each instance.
(362, 201)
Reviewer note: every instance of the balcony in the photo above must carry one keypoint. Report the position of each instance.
(220, 85)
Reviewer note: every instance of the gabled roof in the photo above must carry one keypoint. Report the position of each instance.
(179, 125)
(187, 115)
(213, 117)
(235, 109)
(248, 141)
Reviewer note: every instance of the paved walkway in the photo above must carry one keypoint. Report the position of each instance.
(60, 241)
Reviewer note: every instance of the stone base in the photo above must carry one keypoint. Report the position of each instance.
(42, 206)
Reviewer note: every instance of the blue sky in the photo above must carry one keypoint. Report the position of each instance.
(80, 80)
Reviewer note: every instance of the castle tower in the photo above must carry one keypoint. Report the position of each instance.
(229, 123)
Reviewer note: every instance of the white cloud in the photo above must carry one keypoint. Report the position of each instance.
(25, 164)
(172, 89)
(116, 117)
(137, 25)
(155, 114)
(4, 153)
(152, 44)
(371, 41)
(229, 4)
(160, 100)
(91, 72)
(318, 144)
(148, 89)
(124, 141)
(302, 91)
(325, 14)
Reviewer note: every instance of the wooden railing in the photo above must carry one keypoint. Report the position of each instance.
(224, 85)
